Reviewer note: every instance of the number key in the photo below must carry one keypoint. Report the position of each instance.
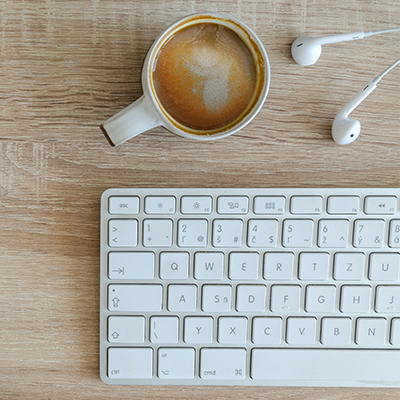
(333, 232)
(262, 233)
(227, 232)
(394, 233)
(368, 233)
(192, 233)
(298, 232)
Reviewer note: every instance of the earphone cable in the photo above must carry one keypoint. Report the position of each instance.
(379, 77)
(385, 31)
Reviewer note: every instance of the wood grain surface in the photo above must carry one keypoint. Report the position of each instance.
(67, 66)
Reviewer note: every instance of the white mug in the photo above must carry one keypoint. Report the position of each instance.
(215, 74)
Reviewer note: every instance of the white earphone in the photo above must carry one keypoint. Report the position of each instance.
(346, 130)
(306, 50)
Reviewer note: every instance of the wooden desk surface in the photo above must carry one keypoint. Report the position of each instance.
(65, 67)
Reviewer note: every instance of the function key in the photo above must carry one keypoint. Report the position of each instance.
(196, 205)
(269, 204)
(159, 205)
(123, 205)
(380, 205)
(233, 205)
(343, 205)
(306, 205)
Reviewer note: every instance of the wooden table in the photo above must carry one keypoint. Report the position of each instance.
(65, 67)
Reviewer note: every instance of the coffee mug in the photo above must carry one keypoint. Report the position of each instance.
(205, 77)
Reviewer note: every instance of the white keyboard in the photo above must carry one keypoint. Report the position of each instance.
(250, 287)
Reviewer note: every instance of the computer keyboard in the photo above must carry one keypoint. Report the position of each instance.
(250, 287)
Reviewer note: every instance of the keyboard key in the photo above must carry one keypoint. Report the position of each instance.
(320, 299)
(217, 298)
(123, 205)
(267, 330)
(297, 232)
(325, 365)
(198, 330)
(192, 233)
(349, 266)
(306, 205)
(301, 330)
(285, 299)
(223, 364)
(313, 266)
(227, 233)
(387, 299)
(371, 332)
(278, 266)
(232, 330)
(130, 363)
(336, 331)
(196, 205)
(159, 205)
(251, 298)
(369, 233)
(182, 298)
(355, 299)
(208, 265)
(131, 265)
(135, 298)
(269, 204)
(395, 332)
(262, 233)
(176, 363)
(164, 329)
(384, 266)
(333, 233)
(126, 329)
(122, 233)
(243, 266)
(157, 233)
(343, 205)
(233, 205)
(380, 205)
(174, 265)
(394, 233)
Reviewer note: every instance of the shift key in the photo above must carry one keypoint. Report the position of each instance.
(135, 298)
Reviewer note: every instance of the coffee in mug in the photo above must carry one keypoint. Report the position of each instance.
(205, 77)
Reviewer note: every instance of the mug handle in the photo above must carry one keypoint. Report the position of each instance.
(139, 117)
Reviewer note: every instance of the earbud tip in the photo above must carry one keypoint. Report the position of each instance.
(305, 51)
(345, 131)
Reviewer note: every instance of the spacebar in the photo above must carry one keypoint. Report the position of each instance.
(326, 365)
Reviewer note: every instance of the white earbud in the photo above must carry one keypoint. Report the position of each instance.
(306, 50)
(346, 130)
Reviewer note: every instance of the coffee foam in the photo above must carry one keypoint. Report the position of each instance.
(205, 76)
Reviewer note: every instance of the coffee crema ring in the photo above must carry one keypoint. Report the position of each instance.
(205, 77)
